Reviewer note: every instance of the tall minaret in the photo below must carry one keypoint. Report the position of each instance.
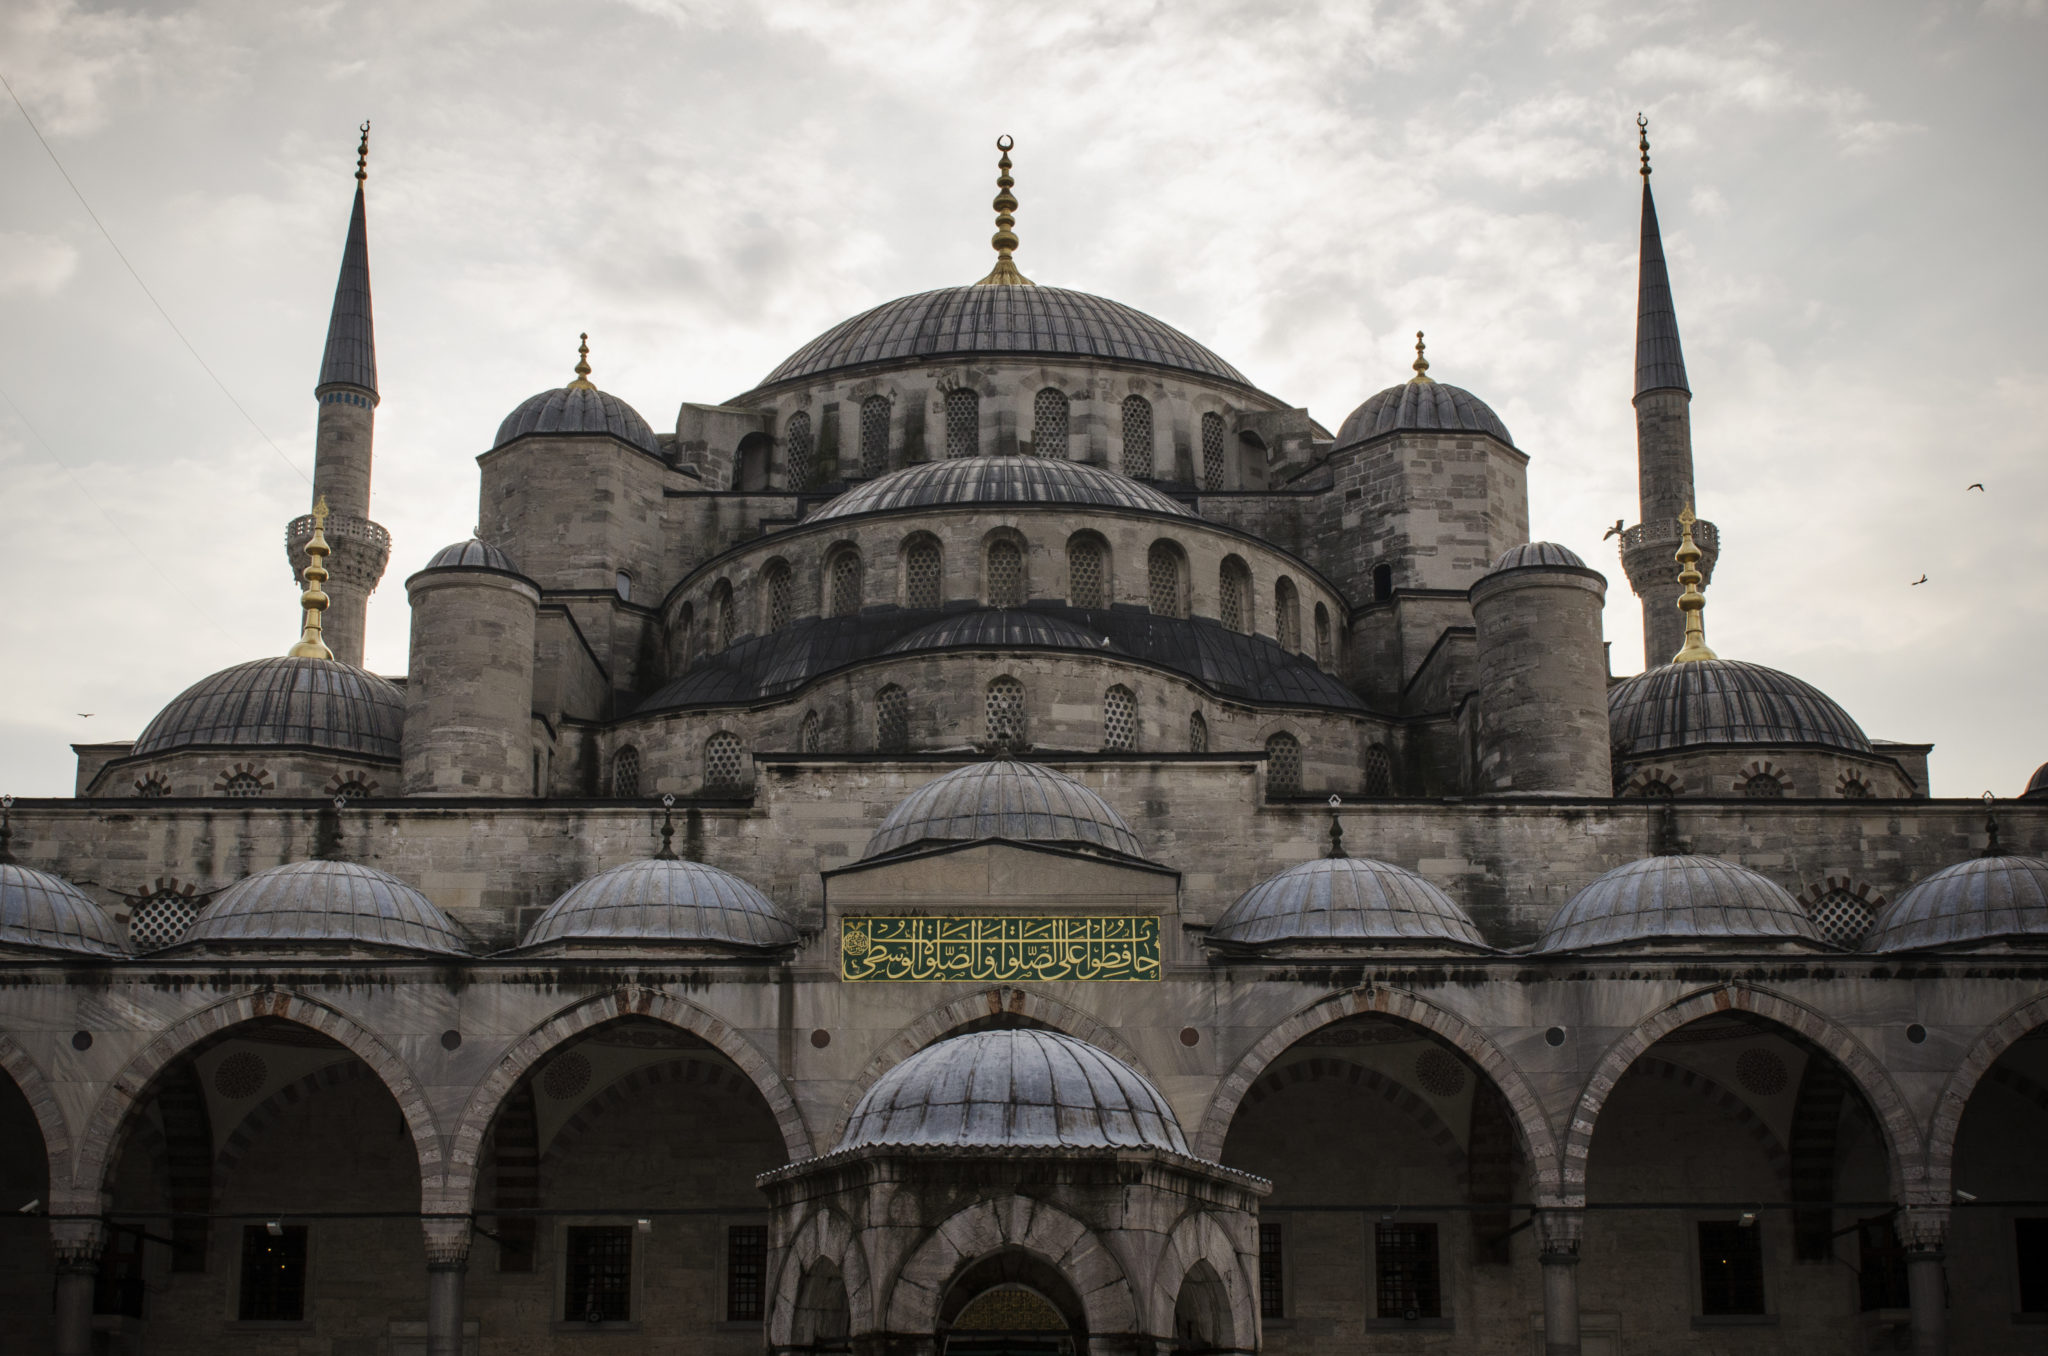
(1663, 447)
(347, 392)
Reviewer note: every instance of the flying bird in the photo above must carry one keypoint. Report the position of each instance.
(1614, 531)
(85, 715)
(1918, 582)
(1979, 486)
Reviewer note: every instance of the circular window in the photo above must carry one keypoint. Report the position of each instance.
(240, 1075)
(1439, 1073)
(566, 1076)
(1761, 1072)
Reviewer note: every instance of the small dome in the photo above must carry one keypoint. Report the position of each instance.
(1001, 627)
(1987, 899)
(2037, 785)
(575, 410)
(324, 903)
(42, 912)
(471, 555)
(1346, 899)
(1022, 802)
(1537, 555)
(267, 703)
(1677, 899)
(1724, 701)
(1422, 405)
(658, 901)
(1024, 1089)
(999, 480)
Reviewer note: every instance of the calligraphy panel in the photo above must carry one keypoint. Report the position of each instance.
(926, 947)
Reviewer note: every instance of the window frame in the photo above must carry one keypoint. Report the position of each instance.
(1696, 1252)
(635, 1281)
(306, 1297)
(1440, 1321)
(728, 1277)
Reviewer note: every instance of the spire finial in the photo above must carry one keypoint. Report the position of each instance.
(1691, 602)
(313, 601)
(1643, 131)
(582, 382)
(1336, 829)
(1005, 273)
(668, 830)
(6, 828)
(363, 152)
(1992, 847)
(1421, 363)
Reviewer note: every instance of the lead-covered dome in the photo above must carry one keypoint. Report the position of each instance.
(1022, 802)
(1346, 899)
(1001, 628)
(1024, 1089)
(1724, 701)
(1678, 899)
(2037, 785)
(45, 913)
(576, 410)
(268, 703)
(999, 480)
(1989, 899)
(1421, 405)
(1530, 555)
(661, 901)
(323, 905)
(471, 555)
(990, 321)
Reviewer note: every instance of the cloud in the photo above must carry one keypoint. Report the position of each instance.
(37, 264)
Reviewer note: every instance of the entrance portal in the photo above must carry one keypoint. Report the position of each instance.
(1010, 1320)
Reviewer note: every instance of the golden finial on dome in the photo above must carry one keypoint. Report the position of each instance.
(1005, 273)
(363, 153)
(1421, 363)
(1643, 128)
(1691, 602)
(313, 600)
(583, 381)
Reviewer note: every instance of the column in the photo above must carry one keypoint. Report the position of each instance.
(1923, 1229)
(1559, 1233)
(77, 1240)
(447, 1267)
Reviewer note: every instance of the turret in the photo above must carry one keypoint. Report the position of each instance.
(347, 394)
(1542, 671)
(469, 684)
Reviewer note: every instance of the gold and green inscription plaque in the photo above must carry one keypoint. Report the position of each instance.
(999, 946)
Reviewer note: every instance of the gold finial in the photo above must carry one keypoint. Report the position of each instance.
(1643, 127)
(1005, 273)
(1421, 363)
(313, 600)
(583, 381)
(1691, 602)
(363, 153)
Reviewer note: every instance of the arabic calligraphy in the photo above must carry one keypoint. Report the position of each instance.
(998, 946)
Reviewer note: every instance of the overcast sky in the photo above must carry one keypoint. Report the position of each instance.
(1852, 196)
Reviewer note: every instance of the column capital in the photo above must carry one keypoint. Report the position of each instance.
(447, 1238)
(1922, 1228)
(1560, 1231)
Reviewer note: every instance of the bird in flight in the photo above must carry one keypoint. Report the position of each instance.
(1979, 487)
(1921, 580)
(1614, 531)
(85, 715)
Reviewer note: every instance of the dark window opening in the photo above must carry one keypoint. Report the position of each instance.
(598, 1279)
(273, 1274)
(1731, 1268)
(1382, 583)
(2030, 1242)
(1880, 1265)
(1405, 1262)
(1272, 1291)
(746, 1271)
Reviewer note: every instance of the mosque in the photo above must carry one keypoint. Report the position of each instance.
(1009, 839)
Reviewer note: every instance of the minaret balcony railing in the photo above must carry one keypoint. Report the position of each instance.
(361, 548)
(1666, 533)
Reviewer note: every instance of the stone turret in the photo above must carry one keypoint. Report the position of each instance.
(1542, 670)
(1663, 402)
(469, 684)
(347, 392)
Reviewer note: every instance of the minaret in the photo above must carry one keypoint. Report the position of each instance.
(1663, 447)
(347, 392)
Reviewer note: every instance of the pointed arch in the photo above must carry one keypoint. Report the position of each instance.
(1970, 1071)
(823, 1236)
(1043, 1231)
(35, 1089)
(1198, 1240)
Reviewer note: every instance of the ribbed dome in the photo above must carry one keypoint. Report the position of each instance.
(1346, 899)
(2037, 785)
(324, 904)
(1022, 802)
(471, 555)
(662, 900)
(1000, 627)
(999, 480)
(569, 411)
(41, 912)
(1988, 899)
(1724, 701)
(1428, 406)
(1677, 899)
(1014, 1090)
(1537, 554)
(1026, 321)
(266, 703)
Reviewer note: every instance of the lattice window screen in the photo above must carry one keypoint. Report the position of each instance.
(1006, 712)
(352, 789)
(721, 601)
(1763, 786)
(799, 449)
(243, 784)
(722, 762)
(846, 584)
(1119, 718)
(1137, 450)
(1049, 423)
(874, 435)
(811, 738)
(1198, 734)
(1287, 616)
(921, 574)
(1167, 595)
(1841, 917)
(626, 772)
(1379, 771)
(963, 423)
(781, 595)
(892, 720)
(1322, 635)
(1084, 573)
(1855, 788)
(160, 920)
(1283, 765)
(1231, 587)
(1212, 451)
(1005, 575)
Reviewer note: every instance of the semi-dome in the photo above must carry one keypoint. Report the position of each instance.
(42, 912)
(999, 480)
(1001, 628)
(1677, 899)
(1346, 899)
(267, 703)
(1024, 1089)
(576, 410)
(1988, 899)
(2037, 785)
(1724, 701)
(471, 555)
(1022, 802)
(662, 901)
(1537, 555)
(1043, 322)
(1422, 405)
(325, 905)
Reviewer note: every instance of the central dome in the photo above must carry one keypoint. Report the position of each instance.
(1022, 802)
(267, 703)
(1024, 321)
(1724, 701)
(999, 480)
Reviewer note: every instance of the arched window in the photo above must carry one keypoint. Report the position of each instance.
(161, 919)
(626, 772)
(874, 435)
(1287, 615)
(750, 464)
(779, 584)
(963, 423)
(1656, 788)
(1251, 462)
(686, 637)
(921, 578)
(798, 449)
(1283, 765)
(810, 738)
(1005, 574)
(1382, 583)
(1137, 449)
(1212, 451)
(722, 762)
(892, 720)
(622, 583)
(242, 785)
(1119, 718)
(1234, 595)
(153, 786)
(1166, 578)
(352, 788)
(842, 582)
(1763, 786)
(1085, 575)
(1855, 788)
(1005, 707)
(724, 622)
(1198, 734)
(1841, 917)
(1322, 635)
(1049, 423)
(1379, 771)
